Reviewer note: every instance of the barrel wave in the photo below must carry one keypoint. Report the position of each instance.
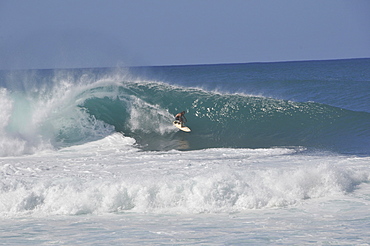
(144, 110)
(69, 108)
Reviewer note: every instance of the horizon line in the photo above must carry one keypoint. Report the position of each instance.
(192, 64)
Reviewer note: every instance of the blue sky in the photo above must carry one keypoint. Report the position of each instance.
(109, 33)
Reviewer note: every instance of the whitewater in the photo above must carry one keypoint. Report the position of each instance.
(279, 154)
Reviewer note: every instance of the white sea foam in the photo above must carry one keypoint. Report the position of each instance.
(111, 175)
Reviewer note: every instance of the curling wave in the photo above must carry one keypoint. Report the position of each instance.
(70, 108)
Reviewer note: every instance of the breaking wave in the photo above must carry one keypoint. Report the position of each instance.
(54, 109)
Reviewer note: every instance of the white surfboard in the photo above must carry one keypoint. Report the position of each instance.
(182, 128)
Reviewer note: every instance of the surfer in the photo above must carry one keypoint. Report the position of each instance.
(181, 118)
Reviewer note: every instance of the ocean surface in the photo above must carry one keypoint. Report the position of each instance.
(279, 154)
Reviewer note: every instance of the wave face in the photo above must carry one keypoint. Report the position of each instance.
(227, 120)
(46, 109)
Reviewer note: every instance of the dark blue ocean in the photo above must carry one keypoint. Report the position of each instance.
(279, 154)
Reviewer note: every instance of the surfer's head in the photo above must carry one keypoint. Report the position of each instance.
(183, 112)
